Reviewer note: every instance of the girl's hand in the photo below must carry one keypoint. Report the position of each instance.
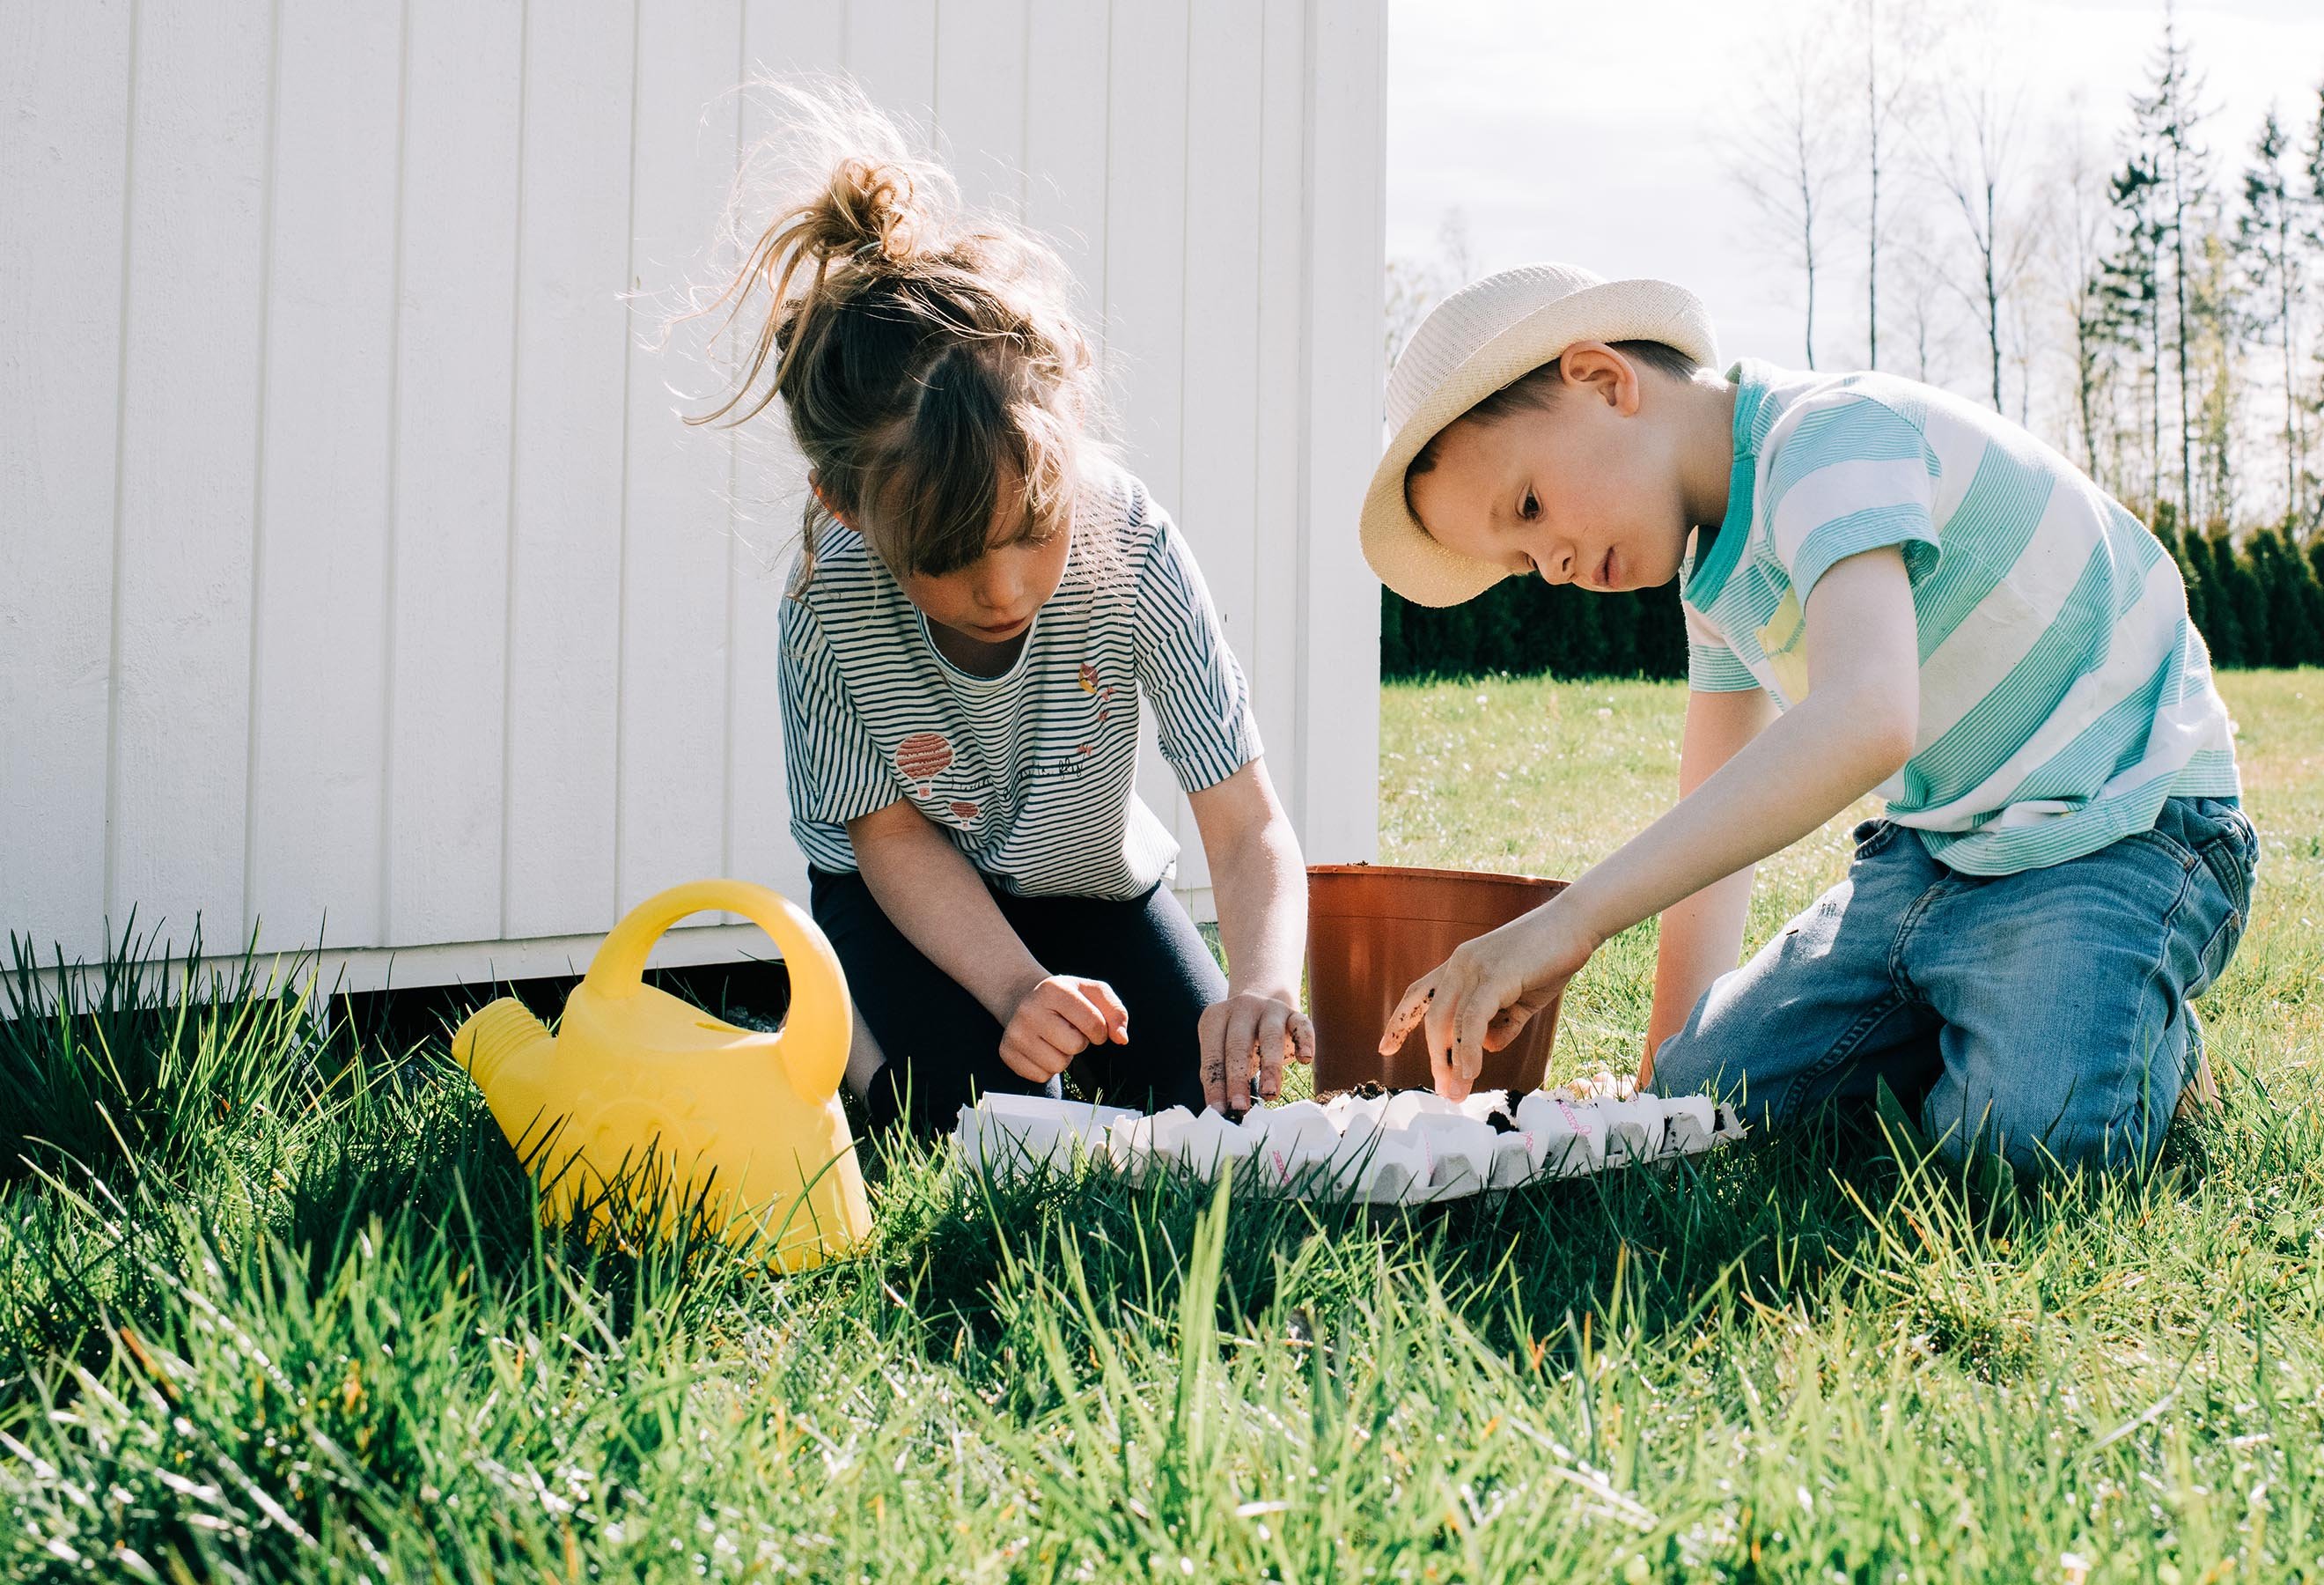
(1250, 1035)
(1056, 1020)
(1483, 995)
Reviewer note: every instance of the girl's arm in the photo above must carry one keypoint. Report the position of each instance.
(1261, 887)
(1702, 935)
(932, 893)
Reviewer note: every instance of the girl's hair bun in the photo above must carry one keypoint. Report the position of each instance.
(931, 372)
(867, 212)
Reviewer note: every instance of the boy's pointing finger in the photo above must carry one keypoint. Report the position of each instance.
(1408, 1012)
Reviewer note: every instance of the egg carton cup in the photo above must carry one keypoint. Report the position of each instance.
(1411, 1148)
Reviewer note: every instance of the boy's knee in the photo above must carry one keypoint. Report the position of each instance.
(1690, 1064)
(2106, 1122)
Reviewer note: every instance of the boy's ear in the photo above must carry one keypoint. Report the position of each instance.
(1601, 371)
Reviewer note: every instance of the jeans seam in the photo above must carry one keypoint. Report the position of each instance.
(1840, 1050)
(2116, 1109)
(1901, 982)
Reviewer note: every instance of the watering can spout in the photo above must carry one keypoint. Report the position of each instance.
(494, 1034)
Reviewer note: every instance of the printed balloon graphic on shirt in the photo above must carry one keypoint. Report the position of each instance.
(964, 812)
(924, 756)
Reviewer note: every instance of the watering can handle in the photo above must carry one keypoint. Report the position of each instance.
(816, 1030)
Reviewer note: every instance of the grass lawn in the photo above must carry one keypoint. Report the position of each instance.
(272, 1304)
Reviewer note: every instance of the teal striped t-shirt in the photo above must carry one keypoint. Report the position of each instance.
(2064, 694)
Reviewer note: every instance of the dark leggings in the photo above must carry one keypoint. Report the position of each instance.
(944, 1049)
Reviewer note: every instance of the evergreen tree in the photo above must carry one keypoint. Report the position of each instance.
(1394, 659)
(2190, 572)
(2272, 267)
(2220, 628)
(2167, 118)
(2280, 574)
(2311, 401)
(2133, 290)
(2246, 598)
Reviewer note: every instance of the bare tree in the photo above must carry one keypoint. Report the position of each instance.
(1788, 152)
(1894, 38)
(1416, 285)
(1975, 157)
(1918, 278)
(2081, 238)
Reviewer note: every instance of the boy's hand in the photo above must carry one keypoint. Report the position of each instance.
(1483, 995)
(1248, 1036)
(1056, 1020)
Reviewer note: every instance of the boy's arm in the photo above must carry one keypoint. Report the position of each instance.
(1853, 731)
(1261, 888)
(1702, 935)
(930, 891)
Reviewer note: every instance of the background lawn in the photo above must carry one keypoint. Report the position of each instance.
(272, 1302)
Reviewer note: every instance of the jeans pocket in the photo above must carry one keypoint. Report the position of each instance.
(2232, 854)
(2219, 950)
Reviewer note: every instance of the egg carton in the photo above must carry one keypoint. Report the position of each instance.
(1408, 1148)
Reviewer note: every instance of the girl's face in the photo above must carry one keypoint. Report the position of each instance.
(994, 598)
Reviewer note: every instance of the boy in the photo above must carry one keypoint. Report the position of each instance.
(1887, 588)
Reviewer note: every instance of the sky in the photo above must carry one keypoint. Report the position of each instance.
(1598, 133)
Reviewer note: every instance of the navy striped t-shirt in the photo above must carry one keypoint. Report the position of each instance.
(1029, 773)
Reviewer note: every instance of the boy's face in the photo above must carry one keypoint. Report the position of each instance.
(1584, 490)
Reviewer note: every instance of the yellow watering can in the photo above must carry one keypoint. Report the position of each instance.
(740, 1129)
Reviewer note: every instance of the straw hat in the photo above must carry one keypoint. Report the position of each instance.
(1478, 339)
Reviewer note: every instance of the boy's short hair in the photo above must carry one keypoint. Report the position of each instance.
(1535, 389)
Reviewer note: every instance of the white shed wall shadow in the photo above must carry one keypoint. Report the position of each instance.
(357, 580)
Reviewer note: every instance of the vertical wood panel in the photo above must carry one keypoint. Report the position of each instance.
(190, 421)
(449, 561)
(789, 36)
(463, 676)
(1339, 702)
(564, 569)
(315, 809)
(1218, 325)
(676, 542)
(1272, 647)
(980, 99)
(64, 79)
(792, 37)
(1065, 141)
(891, 50)
(1145, 286)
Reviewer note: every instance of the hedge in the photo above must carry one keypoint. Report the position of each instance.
(2258, 601)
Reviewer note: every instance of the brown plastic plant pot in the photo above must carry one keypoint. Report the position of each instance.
(1374, 929)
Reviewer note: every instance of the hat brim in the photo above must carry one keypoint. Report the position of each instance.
(1401, 553)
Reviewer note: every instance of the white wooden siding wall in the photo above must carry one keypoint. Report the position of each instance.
(357, 581)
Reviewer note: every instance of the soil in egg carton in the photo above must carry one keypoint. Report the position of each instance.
(1498, 1119)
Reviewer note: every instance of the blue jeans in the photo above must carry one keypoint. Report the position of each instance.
(2044, 1014)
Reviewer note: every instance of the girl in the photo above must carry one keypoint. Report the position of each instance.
(982, 606)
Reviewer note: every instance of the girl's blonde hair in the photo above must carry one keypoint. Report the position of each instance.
(929, 366)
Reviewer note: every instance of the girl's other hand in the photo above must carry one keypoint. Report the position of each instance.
(1056, 1020)
(1248, 1037)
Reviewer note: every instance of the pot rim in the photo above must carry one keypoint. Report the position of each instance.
(1419, 872)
